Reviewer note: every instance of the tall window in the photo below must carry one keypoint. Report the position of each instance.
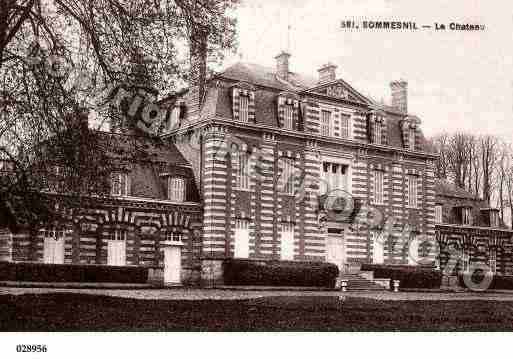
(243, 108)
(376, 136)
(288, 116)
(119, 184)
(466, 216)
(326, 123)
(378, 187)
(438, 213)
(412, 191)
(492, 263)
(494, 219)
(242, 170)
(176, 189)
(344, 125)
(334, 176)
(287, 241)
(287, 176)
(411, 138)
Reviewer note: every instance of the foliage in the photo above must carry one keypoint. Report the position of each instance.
(279, 273)
(408, 276)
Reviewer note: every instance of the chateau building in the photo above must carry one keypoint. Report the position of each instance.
(270, 142)
(265, 163)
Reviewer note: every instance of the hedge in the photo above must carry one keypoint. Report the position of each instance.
(279, 273)
(498, 281)
(42, 272)
(408, 276)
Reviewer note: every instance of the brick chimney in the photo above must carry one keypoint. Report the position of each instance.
(327, 73)
(400, 95)
(198, 70)
(282, 65)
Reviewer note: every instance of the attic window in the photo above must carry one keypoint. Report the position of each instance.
(411, 138)
(244, 108)
(119, 184)
(288, 117)
(176, 189)
(466, 216)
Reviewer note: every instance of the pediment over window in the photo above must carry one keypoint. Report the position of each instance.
(339, 90)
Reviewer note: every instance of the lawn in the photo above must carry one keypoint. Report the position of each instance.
(80, 312)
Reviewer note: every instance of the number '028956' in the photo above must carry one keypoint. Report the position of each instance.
(31, 348)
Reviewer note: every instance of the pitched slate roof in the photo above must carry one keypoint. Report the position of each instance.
(448, 189)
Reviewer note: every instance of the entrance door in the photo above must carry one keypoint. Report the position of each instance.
(241, 249)
(116, 249)
(377, 248)
(335, 250)
(53, 247)
(287, 241)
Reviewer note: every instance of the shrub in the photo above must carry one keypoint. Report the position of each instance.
(279, 273)
(408, 276)
(498, 281)
(42, 272)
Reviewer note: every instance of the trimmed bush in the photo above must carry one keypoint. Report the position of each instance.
(42, 272)
(279, 273)
(408, 276)
(498, 281)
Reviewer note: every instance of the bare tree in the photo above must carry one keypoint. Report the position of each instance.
(489, 149)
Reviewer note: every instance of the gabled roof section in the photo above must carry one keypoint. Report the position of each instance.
(448, 189)
(339, 89)
(266, 76)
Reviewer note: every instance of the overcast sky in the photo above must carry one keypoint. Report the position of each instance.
(457, 80)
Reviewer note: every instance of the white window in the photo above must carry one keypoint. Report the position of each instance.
(326, 123)
(176, 189)
(244, 108)
(411, 138)
(288, 117)
(377, 247)
(334, 176)
(242, 169)
(466, 217)
(287, 241)
(241, 249)
(119, 184)
(412, 191)
(378, 187)
(287, 176)
(492, 263)
(377, 132)
(438, 213)
(116, 248)
(344, 125)
(53, 246)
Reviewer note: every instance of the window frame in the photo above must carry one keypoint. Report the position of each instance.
(438, 213)
(176, 193)
(287, 175)
(288, 116)
(345, 117)
(411, 139)
(378, 174)
(242, 176)
(244, 108)
(378, 132)
(413, 200)
(329, 126)
(466, 216)
(124, 191)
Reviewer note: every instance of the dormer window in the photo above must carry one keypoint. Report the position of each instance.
(411, 138)
(377, 133)
(288, 111)
(244, 108)
(119, 184)
(377, 128)
(466, 216)
(176, 189)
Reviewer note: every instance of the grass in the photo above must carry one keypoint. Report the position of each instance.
(79, 312)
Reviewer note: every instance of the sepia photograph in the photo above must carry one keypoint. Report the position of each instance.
(255, 166)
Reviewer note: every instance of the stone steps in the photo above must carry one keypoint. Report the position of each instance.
(358, 282)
